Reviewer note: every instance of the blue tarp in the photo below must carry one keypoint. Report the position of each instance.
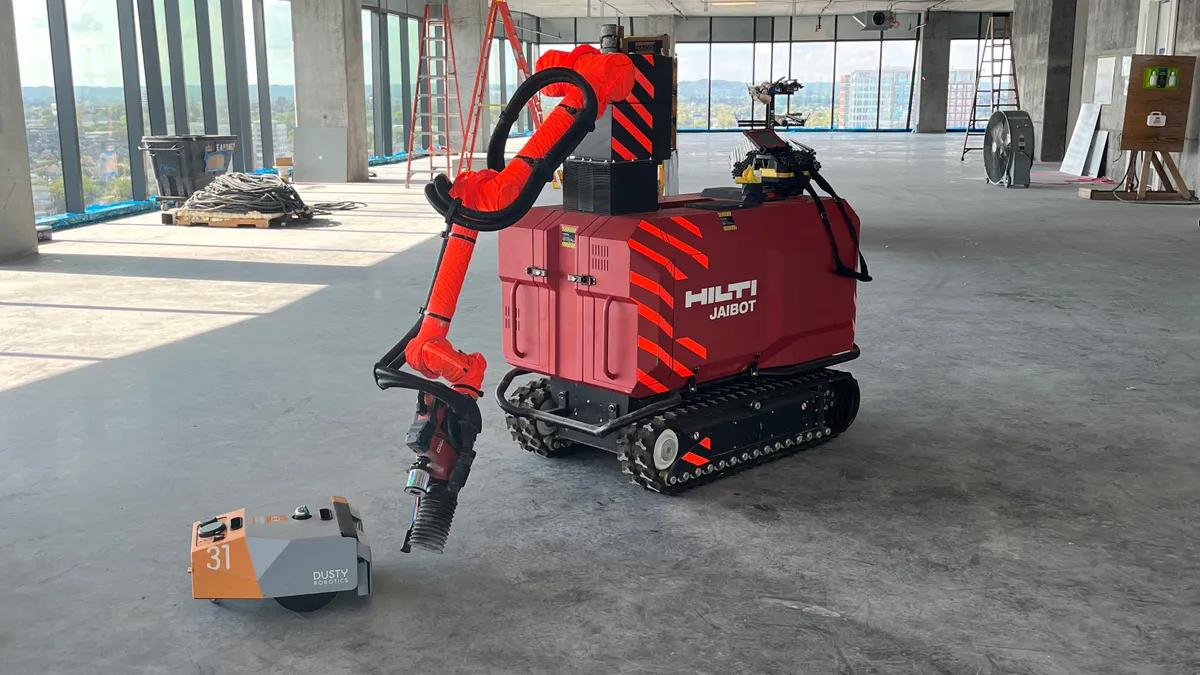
(96, 214)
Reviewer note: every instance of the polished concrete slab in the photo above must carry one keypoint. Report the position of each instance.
(1018, 495)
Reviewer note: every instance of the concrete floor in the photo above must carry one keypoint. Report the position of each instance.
(1019, 493)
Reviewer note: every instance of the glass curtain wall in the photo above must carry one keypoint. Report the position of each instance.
(692, 69)
(277, 25)
(853, 79)
(812, 64)
(895, 83)
(729, 101)
(964, 68)
(253, 83)
(99, 102)
(368, 71)
(191, 66)
(396, 86)
(160, 22)
(41, 113)
(221, 89)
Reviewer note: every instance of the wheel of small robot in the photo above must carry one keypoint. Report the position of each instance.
(306, 603)
(540, 438)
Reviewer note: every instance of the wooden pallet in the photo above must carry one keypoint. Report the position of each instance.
(1107, 194)
(221, 219)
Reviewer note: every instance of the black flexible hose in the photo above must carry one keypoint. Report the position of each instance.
(450, 208)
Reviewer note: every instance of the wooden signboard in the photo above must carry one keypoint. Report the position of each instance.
(1158, 84)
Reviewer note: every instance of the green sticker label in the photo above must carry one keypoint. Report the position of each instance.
(1160, 78)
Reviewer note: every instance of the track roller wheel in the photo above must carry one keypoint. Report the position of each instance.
(540, 438)
(648, 452)
(843, 397)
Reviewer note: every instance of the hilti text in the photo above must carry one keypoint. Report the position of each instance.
(741, 294)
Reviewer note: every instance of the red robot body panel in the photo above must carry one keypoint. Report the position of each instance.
(638, 304)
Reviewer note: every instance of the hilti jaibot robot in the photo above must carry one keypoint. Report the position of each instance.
(690, 335)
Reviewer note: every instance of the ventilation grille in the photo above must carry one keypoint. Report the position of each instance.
(599, 257)
(512, 314)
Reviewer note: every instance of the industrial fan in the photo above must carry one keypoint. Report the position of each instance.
(1008, 148)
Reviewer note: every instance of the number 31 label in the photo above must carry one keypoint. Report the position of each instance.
(214, 553)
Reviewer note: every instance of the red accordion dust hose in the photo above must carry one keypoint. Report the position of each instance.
(430, 353)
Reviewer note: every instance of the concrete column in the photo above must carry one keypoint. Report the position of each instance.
(933, 75)
(18, 234)
(331, 98)
(1043, 50)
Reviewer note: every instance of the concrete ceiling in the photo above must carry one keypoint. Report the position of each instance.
(637, 8)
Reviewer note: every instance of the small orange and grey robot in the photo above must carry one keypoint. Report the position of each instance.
(302, 554)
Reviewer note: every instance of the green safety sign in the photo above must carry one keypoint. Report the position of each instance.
(1161, 78)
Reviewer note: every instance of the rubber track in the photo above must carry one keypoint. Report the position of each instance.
(524, 429)
(635, 444)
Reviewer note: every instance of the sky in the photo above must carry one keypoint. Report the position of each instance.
(95, 50)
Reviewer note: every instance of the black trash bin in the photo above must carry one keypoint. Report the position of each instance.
(185, 164)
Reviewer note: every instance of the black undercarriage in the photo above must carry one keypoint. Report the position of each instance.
(698, 436)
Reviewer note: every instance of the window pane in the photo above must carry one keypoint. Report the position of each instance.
(191, 67)
(510, 71)
(779, 61)
(414, 43)
(762, 73)
(277, 15)
(693, 86)
(218, 57)
(151, 179)
(812, 64)
(396, 72)
(160, 25)
(856, 84)
(41, 118)
(252, 80)
(730, 100)
(964, 64)
(99, 102)
(495, 95)
(368, 70)
(895, 83)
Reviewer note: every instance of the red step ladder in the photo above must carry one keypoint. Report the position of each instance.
(436, 107)
(480, 91)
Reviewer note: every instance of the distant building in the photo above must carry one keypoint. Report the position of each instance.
(869, 99)
(958, 102)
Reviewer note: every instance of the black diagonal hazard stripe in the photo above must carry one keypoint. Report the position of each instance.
(626, 131)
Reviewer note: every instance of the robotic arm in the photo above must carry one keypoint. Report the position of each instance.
(447, 420)
(474, 202)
